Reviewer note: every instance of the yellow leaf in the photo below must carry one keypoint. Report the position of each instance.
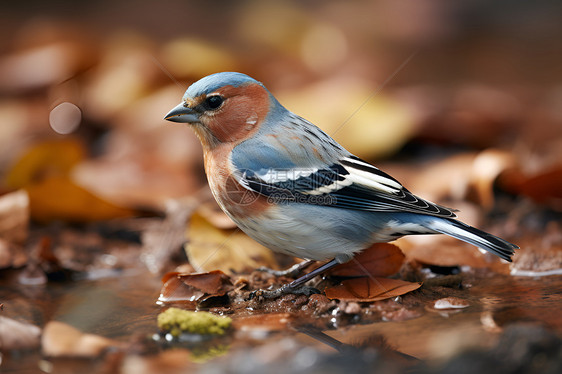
(58, 198)
(52, 157)
(210, 248)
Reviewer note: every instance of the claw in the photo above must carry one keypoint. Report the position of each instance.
(283, 290)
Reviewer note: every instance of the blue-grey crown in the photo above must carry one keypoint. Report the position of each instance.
(215, 81)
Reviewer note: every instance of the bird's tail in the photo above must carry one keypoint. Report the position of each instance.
(474, 236)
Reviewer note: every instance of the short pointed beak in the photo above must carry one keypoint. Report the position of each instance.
(182, 114)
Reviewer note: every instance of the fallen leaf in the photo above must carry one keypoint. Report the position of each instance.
(379, 260)
(210, 248)
(544, 187)
(15, 335)
(191, 288)
(368, 289)
(62, 340)
(214, 283)
(52, 157)
(58, 198)
(174, 291)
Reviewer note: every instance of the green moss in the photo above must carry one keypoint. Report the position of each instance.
(177, 321)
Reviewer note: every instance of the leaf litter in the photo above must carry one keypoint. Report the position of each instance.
(109, 205)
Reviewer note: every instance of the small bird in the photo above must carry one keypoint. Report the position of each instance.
(294, 189)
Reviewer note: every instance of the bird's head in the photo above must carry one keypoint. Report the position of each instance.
(223, 107)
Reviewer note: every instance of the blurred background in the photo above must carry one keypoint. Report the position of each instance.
(461, 101)
(390, 80)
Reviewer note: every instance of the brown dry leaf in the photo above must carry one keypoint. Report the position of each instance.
(191, 288)
(62, 340)
(51, 157)
(58, 198)
(214, 283)
(17, 335)
(379, 260)
(210, 248)
(175, 291)
(367, 289)
(14, 217)
(263, 322)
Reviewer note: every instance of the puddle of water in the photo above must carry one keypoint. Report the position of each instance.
(124, 306)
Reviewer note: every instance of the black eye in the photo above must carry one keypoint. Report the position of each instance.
(213, 102)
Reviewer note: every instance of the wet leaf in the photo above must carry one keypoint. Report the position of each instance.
(370, 289)
(210, 248)
(16, 335)
(174, 291)
(58, 198)
(62, 340)
(379, 260)
(192, 288)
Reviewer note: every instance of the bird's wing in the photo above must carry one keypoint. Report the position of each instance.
(349, 183)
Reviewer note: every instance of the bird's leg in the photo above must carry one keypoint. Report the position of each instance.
(292, 272)
(297, 286)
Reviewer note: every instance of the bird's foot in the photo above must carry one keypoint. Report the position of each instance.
(291, 272)
(283, 290)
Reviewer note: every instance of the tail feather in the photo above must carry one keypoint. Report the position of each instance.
(474, 236)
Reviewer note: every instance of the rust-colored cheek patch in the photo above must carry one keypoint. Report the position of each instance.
(243, 111)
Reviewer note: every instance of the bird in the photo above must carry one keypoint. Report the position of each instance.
(292, 188)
